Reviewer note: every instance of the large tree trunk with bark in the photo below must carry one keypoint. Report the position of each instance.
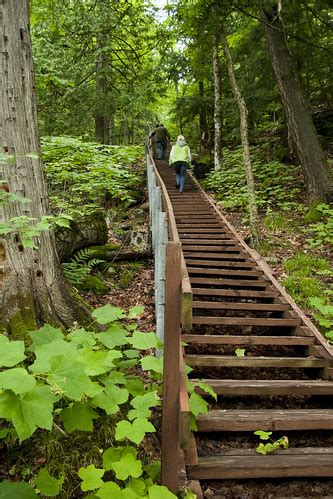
(204, 136)
(217, 104)
(34, 289)
(304, 136)
(243, 113)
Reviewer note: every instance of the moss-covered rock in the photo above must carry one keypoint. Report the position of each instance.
(92, 283)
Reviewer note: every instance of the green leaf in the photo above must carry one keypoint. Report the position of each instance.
(82, 338)
(127, 466)
(144, 341)
(116, 378)
(110, 400)
(135, 312)
(68, 376)
(141, 405)
(106, 314)
(153, 470)
(207, 388)
(16, 490)
(12, 352)
(114, 336)
(197, 404)
(92, 477)
(78, 417)
(62, 222)
(29, 411)
(240, 352)
(44, 335)
(109, 490)
(133, 431)
(151, 363)
(17, 379)
(46, 353)
(48, 485)
(93, 360)
(135, 386)
(263, 435)
(113, 454)
(160, 492)
(138, 485)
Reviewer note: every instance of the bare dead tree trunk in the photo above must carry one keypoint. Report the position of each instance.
(243, 113)
(305, 138)
(217, 104)
(202, 120)
(33, 287)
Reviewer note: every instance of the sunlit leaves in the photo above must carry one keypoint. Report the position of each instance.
(107, 313)
(91, 477)
(12, 352)
(47, 484)
(133, 431)
(78, 417)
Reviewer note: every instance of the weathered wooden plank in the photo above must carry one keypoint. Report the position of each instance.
(212, 236)
(238, 388)
(232, 258)
(278, 362)
(222, 305)
(229, 282)
(237, 293)
(198, 231)
(200, 339)
(219, 263)
(245, 321)
(267, 420)
(224, 272)
(205, 241)
(281, 464)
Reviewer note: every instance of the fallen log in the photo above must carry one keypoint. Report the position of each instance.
(110, 253)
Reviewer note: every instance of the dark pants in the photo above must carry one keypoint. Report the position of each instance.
(180, 167)
(160, 149)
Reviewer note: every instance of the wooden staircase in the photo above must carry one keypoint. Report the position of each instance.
(238, 303)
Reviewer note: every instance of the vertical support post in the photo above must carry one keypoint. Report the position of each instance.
(171, 375)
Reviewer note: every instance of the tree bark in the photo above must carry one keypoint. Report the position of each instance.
(33, 288)
(217, 104)
(204, 142)
(318, 177)
(243, 113)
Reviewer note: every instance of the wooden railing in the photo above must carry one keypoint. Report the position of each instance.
(177, 314)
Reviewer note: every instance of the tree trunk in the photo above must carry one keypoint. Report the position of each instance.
(243, 113)
(217, 105)
(34, 289)
(203, 121)
(305, 138)
(101, 120)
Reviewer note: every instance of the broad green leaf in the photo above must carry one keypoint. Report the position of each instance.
(106, 402)
(113, 454)
(127, 364)
(142, 404)
(135, 312)
(135, 386)
(207, 388)
(132, 353)
(133, 431)
(138, 485)
(46, 353)
(151, 363)
(116, 378)
(107, 313)
(44, 335)
(68, 377)
(197, 404)
(92, 477)
(109, 490)
(17, 379)
(47, 484)
(115, 336)
(28, 412)
(93, 360)
(16, 490)
(128, 493)
(82, 338)
(160, 492)
(263, 435)
(12, 352)
(127, 466)
(62, 222)
(153, 470)
(112, 358)
(240, 352)
(78, 417)
(144, 341)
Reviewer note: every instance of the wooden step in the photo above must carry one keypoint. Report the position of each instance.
(251, 274)
(206, 240)
(207, 339)
(220, 257)
(219, 263)
(189, 246)
(211, 237)
(266, 419)
(257, 387)
(236, 283)
(199, 231)
(222, 305)
(235, 293)
(306, 462)
(245, 321)
(253, 362)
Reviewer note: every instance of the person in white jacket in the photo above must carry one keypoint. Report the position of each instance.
(180, 159)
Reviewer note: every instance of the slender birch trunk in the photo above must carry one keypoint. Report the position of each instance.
(243, 113)
(217, 105)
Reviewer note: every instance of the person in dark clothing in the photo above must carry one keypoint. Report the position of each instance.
(161, 139)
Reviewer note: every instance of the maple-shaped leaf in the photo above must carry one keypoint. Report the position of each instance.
(135, 386)
(19, 490)
(133, 431)
(47, 484)
(197, 404)
(92, 477)
(135, 312)
(109, 490)
(12, 352)
(69, 377)
(82, 338)
(144, 341)
(78, 417)
(160, 492)
(107, 313)
(115, 336)
(151, 363)
(44, 335)
(45, 353)
(127, 466)
(93, 360)
(142, 404)
(29, 411)
(17, 379)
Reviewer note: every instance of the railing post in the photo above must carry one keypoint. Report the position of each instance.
(171, 375)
